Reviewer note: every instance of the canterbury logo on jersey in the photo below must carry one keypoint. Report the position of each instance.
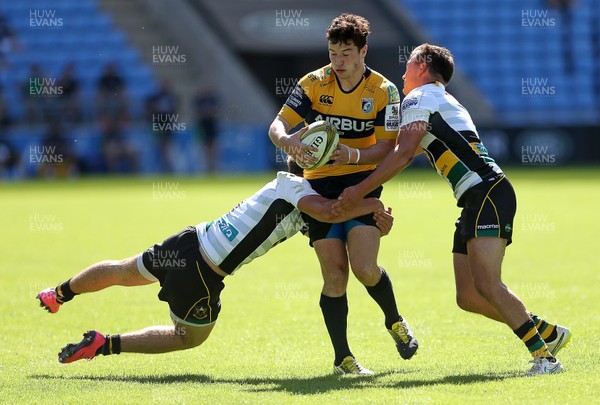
(344, 124)
(326, 99)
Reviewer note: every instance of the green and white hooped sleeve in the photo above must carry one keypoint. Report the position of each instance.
(292, 188)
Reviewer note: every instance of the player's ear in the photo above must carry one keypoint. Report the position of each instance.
(363, 51)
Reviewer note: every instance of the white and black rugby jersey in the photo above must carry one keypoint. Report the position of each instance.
(256, 224)
(451, 142)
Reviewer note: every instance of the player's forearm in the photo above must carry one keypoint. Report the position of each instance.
(371, 155)
(278, 133)
(363, 207)
(393, 164)
(319, 208)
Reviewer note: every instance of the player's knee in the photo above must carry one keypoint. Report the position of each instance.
(191, 337)
(464, 302)
(367, 274)
(334, 289)
(487, 288)
(335, 276)
(128, 273)
(335, 286)
(189, 343)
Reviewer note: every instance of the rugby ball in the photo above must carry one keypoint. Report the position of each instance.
(323, 136)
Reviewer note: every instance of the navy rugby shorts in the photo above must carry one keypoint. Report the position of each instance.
(332, 187)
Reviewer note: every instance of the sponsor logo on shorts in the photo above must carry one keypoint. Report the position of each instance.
(489, 226)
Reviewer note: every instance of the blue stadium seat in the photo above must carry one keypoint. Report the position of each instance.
(489, 39)
(88, 38)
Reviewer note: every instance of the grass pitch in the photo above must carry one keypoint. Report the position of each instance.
(270, 344)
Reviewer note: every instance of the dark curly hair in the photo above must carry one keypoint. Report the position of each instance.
(349, 28)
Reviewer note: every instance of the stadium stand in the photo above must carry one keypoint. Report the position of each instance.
(76, 33)
(49, 37)
(528, 58)
(83, 35)
(507, 53)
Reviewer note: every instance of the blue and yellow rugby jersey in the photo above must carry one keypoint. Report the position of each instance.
(369, 112)
(451, 142)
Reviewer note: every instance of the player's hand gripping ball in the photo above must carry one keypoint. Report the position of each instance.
(323, 136)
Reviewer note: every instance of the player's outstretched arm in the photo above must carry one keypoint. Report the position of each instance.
(373, 154)
(319, 208)
(397, 160)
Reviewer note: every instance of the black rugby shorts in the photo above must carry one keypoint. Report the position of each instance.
(190, 287)
(488, 210)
